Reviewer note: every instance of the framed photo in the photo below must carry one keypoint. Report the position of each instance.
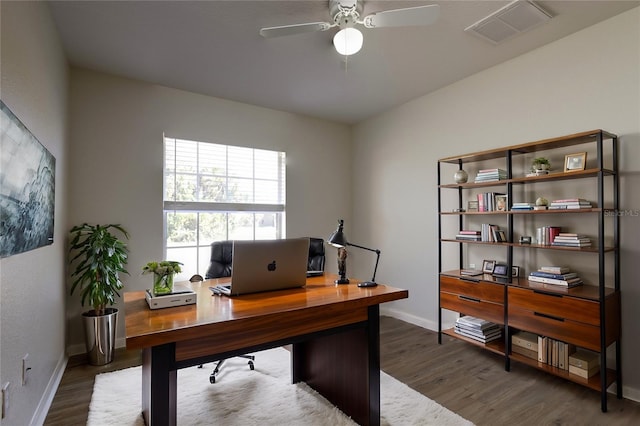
(472, 206)
(515, 271)
(500, 270)
(525, 239)
(573, 162)
(487, 266)
(501, 203)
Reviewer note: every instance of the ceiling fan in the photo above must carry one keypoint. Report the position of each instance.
(345, 14)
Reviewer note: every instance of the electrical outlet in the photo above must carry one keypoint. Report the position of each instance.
(472, 266)
(25, 368)
(5, 399)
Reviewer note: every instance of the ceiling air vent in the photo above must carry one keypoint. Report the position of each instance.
(513, 19)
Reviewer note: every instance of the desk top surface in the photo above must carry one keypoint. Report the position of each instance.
(141, 322)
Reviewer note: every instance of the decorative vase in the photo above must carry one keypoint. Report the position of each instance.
(461, 176)
(100, 335)
(162, 284)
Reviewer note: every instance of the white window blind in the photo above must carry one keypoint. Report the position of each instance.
(218, 192)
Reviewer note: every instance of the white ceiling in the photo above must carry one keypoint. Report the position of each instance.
(214, 48)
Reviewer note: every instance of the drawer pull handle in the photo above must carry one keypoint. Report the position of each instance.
(548, 294)
(538, 314)
(469, 299)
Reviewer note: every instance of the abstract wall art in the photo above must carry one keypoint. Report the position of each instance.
(27, 188)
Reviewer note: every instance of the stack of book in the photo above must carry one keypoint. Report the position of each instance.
(547, 234)
(489, 175)
(567, 239)
(469, 235)
(492, 201)
(522, 206)
(477, 329)
(570, 203)
(555, 275)
(554, 352)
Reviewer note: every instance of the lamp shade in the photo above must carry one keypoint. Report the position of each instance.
(348, 41)
(337, 238)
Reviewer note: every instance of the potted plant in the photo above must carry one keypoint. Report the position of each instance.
(540, 163)
(163, 274)
(99, 259)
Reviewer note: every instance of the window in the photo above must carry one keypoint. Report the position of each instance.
(218, 192)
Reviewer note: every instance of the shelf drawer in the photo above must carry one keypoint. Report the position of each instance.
(482, 290)
(472, 306)
(580, 310)
(556, 327)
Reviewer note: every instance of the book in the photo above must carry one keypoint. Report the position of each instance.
(476, 322)
(571, 244)
(554, 269)
(544, 274)
(571, 282)
(468, 237)
(469, 232)
(570, 200)
(471, 272)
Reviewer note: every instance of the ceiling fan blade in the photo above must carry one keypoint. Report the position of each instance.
(286, 30)
(420, 15)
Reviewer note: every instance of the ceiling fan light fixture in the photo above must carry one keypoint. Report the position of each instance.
(348, 41)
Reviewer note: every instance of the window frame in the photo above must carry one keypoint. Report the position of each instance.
(226, 207)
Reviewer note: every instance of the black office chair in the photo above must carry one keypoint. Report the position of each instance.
(220, 266)
(316, 254)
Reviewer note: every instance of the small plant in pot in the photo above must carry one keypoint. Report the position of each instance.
(540, 163)
(99, 257)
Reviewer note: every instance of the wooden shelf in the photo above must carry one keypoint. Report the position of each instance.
(592, 249)
(519, 212)
(530, 147)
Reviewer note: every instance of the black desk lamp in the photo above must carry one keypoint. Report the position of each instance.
(337, 239)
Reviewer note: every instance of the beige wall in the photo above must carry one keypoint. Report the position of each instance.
(116, 152)
(32, 284)
(586, 81)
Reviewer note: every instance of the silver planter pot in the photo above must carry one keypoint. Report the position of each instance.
(100, 335)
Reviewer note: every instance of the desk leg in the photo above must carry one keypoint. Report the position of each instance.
(159, 385)
(345, 368)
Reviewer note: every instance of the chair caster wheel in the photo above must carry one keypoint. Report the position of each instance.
(212, 379)
(251, 367)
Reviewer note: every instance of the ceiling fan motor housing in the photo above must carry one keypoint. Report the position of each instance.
(345, 13)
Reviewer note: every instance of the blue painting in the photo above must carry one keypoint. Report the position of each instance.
(27, 188)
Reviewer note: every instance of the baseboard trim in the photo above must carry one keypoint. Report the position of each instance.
(412, 319)
(40, 415)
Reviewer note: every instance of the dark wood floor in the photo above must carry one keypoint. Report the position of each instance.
(467, 380)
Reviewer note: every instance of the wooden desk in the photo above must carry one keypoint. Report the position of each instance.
(335, 332)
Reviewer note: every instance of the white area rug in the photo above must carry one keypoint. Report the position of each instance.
(264, 396)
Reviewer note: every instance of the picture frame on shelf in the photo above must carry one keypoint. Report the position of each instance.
(472, 206)
(501, 203)
(488, 265)
(515, 271)
(575, 162)
(500, 270)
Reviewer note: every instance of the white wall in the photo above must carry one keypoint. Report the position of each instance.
(116, 156)
(32, 284)
(586, 81)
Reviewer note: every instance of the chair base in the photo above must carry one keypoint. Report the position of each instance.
(218, 367)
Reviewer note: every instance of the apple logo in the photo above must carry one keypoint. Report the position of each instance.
(271, 266)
